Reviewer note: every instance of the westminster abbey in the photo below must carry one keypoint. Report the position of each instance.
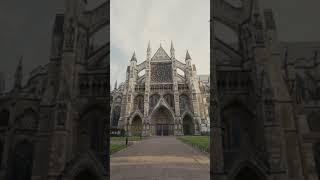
(161, 96)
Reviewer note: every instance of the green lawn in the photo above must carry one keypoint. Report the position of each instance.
(201, 142)
(116, 147)
(131, 138)
(118, 143)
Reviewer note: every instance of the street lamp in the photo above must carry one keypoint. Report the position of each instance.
(127, 133)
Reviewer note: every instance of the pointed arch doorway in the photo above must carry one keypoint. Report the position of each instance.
(85, 175)
(22, 161)
(136, 126)
(162, 122)
(249, 173)
(188, 125)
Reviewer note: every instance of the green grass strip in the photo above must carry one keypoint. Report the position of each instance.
(199, 142)
(116, 147)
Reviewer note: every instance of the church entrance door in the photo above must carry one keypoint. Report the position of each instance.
(22, 161)
(162, 122)
(249, 173)
(188, 125)
(85, 175)
(136, 126)
(164, 129)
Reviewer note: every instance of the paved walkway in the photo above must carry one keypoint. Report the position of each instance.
(160, 158)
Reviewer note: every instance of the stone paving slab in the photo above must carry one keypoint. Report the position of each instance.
(160, 158)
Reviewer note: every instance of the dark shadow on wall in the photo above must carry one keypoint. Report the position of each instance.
(54, 122)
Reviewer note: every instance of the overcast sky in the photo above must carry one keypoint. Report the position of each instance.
(26, 28)
(135, 22)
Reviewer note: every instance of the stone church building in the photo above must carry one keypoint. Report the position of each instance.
(161, 96)
(265, 98)
(53, 127)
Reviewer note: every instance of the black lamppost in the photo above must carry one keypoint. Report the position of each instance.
(127, 133)
(142, 130)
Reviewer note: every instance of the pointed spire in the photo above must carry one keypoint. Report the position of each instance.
(133, 58)
(188, 55)
(149, 51)
(149, 47)
(116, 84)
(18, 74)
(172, 51)
(172, 48)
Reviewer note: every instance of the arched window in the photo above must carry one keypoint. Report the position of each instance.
(27, 120)
(239, 127)
(154, 99)
(188, 125)
(116, 116)
(184, 103)
(139, 103)
(22, 161)
(92, 129)
(169, 99)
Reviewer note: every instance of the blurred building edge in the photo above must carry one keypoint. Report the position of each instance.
(265, 99)
(2, 82)
(53, 126)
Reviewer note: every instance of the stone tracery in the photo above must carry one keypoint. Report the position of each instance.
(162, 86)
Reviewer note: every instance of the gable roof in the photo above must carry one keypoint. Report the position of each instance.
(160, 55)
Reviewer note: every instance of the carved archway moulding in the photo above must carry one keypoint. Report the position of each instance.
(162, 103)
(252, 165)
(82, 163)
(136, 113)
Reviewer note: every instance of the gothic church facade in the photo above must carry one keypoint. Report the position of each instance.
(161, 96)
